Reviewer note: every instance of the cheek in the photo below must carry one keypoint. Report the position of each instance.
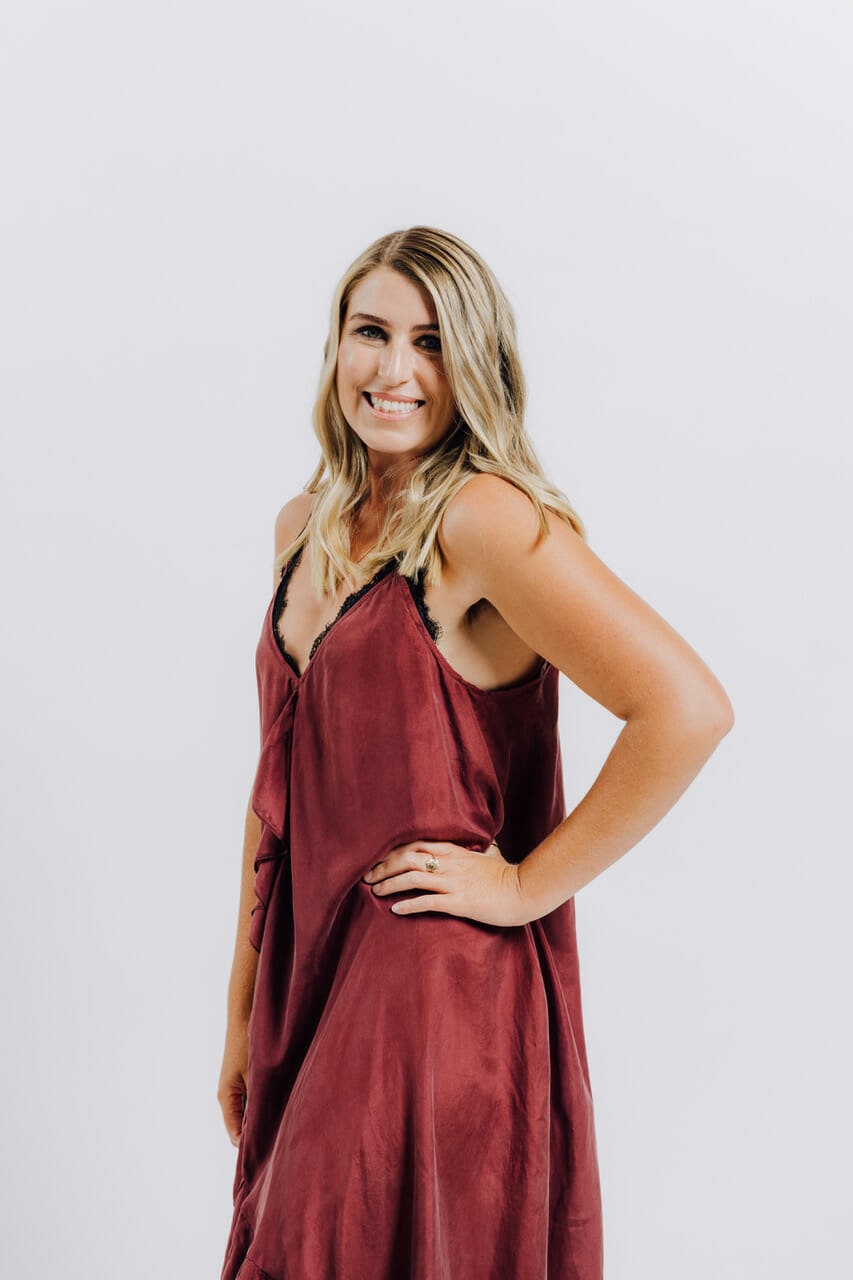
(445, 395)
(347, 392)
(349, 370)
(439, 387)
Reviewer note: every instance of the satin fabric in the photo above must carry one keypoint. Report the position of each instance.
(418, 1096)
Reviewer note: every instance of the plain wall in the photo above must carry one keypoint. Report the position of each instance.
(664, 192)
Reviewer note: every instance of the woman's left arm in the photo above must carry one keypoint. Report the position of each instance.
(566, 604)
(571, 609)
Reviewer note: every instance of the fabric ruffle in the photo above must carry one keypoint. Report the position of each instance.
(270, 796)
(270, 792)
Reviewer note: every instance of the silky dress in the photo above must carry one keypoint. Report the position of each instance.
(418, 1100)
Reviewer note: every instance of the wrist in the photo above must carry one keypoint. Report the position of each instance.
(526, 909)
(533, 901)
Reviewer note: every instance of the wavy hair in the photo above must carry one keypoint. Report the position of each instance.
(482, 366)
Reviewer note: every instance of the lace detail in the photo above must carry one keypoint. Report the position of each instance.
(279, 604)
(350, 601)
(281, 600)
(416, 586)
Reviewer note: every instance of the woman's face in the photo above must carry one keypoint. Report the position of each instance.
(390, 377)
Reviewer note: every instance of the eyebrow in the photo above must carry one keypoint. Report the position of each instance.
(417, 328)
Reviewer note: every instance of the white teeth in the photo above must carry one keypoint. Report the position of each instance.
(393, 406)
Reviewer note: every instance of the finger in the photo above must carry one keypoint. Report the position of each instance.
(409, 880)
(435, 846)
(446, 849)
(233, 1110)
(398, 861)
(425, 902)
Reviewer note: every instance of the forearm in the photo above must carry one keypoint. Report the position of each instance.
(651, 764)
(241, 985)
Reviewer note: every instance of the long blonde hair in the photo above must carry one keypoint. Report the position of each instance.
(481, 363)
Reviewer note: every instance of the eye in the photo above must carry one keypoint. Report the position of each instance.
(434, 338)
(369, 330)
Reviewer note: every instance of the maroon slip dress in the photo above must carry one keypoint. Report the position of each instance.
(418, 1098)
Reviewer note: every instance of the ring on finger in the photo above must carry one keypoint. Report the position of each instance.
(432, 864)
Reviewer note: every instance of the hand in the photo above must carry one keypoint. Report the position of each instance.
(477, 886)
(232, 1089)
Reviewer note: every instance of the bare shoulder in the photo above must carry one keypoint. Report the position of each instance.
(290, 521)
(569, 606)
(491, 528)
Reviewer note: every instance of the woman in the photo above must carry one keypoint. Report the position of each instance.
(405, 1073)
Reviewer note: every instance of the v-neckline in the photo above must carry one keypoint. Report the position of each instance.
(280, 601)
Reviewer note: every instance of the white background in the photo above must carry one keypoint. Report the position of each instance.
(664, 191)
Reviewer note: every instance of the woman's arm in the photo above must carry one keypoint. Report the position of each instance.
(232, 1079)
(556, 594)
(241, 986)
(568, 606)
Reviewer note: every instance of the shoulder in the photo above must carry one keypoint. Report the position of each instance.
(487, 521)
(290, 521)
(493, 543)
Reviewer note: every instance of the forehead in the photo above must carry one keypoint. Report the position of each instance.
(397, 299)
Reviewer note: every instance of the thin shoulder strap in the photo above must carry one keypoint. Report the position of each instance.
(290, 564)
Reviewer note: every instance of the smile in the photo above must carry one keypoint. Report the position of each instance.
(392, 408)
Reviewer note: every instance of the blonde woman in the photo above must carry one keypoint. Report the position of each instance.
(405, 1074)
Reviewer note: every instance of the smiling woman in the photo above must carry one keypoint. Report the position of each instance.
(407, 1081)
(389, 366)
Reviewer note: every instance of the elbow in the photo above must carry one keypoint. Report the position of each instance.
(695, 713)
(725, 716)
(709, 714)
(720, 712)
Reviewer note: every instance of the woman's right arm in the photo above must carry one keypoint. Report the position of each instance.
(232, 1079)
(241, 987)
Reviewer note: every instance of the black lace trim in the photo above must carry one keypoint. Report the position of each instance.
(278, 607)
(416, 587)
(281, 600)
(350, 601)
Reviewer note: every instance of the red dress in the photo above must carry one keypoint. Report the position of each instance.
(418, 1098)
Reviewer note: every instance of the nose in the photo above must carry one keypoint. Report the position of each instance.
(395, 362)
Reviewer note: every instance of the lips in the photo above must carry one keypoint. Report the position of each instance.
(381, 395)
(392, 410)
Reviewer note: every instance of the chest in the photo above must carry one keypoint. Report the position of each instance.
(473, 638)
